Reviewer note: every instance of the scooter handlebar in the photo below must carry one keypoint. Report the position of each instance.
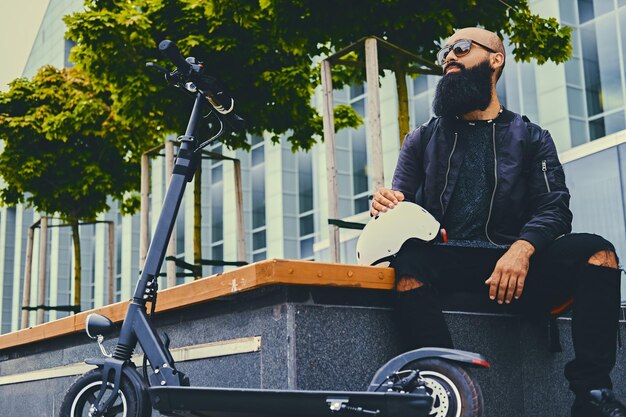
(170, 50)
(223, 103)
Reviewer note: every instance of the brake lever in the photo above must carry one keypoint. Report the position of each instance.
(173, 78)
(155, 66)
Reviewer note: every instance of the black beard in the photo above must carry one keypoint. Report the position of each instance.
(464, 91)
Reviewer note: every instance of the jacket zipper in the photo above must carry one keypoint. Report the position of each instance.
(445, 185)
(544, 168)
(495, 174)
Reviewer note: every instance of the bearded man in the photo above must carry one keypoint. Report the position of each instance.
(494, 181)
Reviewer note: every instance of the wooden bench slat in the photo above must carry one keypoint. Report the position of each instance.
(246, 278)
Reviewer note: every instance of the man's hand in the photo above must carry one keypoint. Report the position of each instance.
(385, 199)
(508, 277)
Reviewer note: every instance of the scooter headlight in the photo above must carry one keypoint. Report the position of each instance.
(97, 325)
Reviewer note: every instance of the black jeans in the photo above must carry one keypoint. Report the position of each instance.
(558, 273)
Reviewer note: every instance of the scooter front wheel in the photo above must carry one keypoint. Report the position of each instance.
(454, 392)
(84, 391)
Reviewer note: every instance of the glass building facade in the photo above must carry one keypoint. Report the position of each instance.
(580, 102)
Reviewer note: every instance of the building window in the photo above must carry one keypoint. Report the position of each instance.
(567, 12)
(118, 257)
(589, 9)
(88, 265)
(602, 126)
(421, 108)
(7, 294)
(306, 220)
(358, 152)
(257, 182)
(360, 180)
(578, 129)
(217, 253)
(217, 214)
(603, 82)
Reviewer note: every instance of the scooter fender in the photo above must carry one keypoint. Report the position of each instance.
(128, 370)
(400, 361)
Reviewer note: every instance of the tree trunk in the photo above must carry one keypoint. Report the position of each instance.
(197, 218)
(77, 262)
(43, 266)
(403, 99)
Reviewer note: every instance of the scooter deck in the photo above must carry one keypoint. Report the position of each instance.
(228, 402)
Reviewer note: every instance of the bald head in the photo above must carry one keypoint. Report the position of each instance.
(482, 36)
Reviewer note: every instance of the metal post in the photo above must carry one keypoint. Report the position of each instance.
(170, 266)
(43, 261)
(241, 238)
(373, 112)
(144, 224)
(331, 169)
(27, 277)
(111, 270)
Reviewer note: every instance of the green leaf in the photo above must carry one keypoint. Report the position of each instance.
(265, 53)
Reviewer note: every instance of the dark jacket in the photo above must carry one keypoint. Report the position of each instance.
(530, 200)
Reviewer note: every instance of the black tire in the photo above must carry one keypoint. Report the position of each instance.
(85, 389)
(454, 392)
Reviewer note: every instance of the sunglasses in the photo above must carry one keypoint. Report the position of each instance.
(460, 48)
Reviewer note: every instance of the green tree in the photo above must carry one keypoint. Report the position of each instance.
(264, 51)
(63, 152)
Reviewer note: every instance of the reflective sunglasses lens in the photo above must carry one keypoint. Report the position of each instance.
(461, 48)
(442, 54)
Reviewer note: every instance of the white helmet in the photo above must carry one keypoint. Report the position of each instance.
(384, 235)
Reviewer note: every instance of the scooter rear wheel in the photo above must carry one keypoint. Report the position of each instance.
(454, 392)
(84, 391)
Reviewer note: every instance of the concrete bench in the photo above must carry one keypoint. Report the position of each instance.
(293, 325)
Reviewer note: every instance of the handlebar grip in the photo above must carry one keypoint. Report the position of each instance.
(170, 50)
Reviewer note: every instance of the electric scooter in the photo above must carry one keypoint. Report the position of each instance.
(423, 382)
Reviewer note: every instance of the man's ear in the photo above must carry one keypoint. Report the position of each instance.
(497, 60)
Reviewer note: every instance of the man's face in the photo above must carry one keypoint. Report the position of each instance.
(469, 54)
(464, 89)
(469, 73)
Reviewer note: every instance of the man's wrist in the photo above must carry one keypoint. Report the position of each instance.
(525, 246)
